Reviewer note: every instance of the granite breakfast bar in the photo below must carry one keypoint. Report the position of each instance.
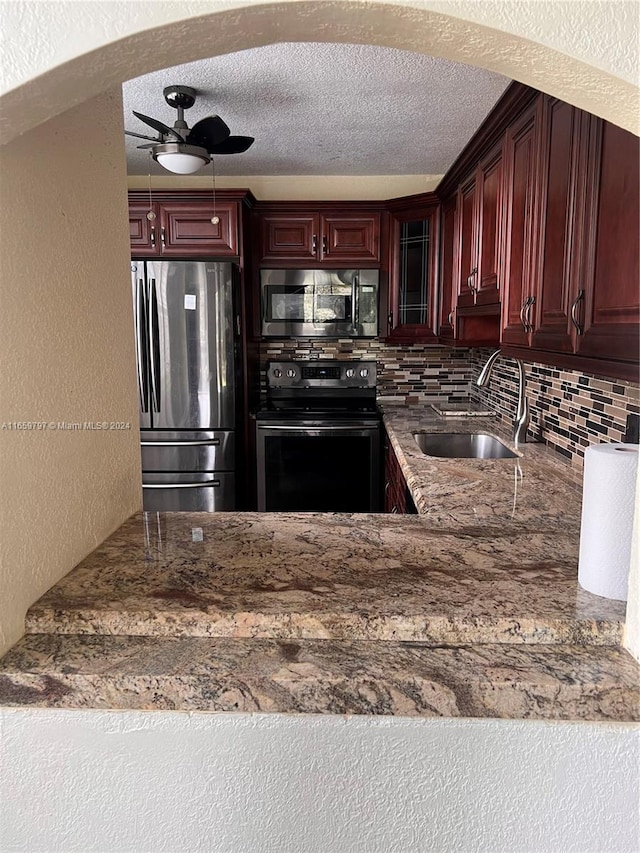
(471, 608)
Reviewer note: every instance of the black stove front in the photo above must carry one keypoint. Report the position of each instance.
(318, 438)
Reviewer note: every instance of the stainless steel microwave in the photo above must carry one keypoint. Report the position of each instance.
(319, 303)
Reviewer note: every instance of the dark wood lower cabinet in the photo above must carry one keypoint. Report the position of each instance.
(397, 497)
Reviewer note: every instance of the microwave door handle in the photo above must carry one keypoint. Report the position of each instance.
(355, 317)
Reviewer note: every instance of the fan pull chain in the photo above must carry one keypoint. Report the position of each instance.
(215, 219)
(150, 214)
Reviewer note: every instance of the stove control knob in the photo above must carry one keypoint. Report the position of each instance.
(277, 373)
(291, 373)
(350, 373)
(364, 372)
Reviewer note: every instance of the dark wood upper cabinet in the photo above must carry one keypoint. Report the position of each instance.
(561, 188)
(571, 238)
(286, 237)
(490, 189)
(466, 239)
(290, 237)
(606, 309)
(414, 237)
(182, 226)
(446, 318)
(142, 230)
(519, 182)
(478, 234)
(351, 238)
(189, 228)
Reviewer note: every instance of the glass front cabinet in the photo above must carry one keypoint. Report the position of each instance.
(413, 253)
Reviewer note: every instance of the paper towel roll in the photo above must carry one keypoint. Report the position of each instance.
(608, 500)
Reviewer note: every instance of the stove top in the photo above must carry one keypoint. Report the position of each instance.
(320, 388)
(339, 377)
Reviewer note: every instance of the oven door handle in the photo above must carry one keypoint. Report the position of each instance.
(312, 429)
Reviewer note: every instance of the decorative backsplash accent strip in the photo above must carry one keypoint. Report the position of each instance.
(569, 410)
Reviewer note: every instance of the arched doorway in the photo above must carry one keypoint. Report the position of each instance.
(87, 56)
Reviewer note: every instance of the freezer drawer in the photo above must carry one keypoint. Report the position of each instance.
(205, 492)
(188, 451)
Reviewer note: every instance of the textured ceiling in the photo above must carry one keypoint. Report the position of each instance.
(325, 109)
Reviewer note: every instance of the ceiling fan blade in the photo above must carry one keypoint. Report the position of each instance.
(159, 126)
(149, 144)
(141, 136)
(233, 145)
(208, 132)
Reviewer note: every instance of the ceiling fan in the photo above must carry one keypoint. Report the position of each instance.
(184, 151)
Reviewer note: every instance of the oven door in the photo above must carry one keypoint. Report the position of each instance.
(318, 467)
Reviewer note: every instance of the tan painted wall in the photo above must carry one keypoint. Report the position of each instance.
(583, 51)
(66, 350)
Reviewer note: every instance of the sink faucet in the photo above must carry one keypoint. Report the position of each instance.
(522, 414)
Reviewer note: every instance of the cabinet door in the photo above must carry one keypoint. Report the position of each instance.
(489, 188)
(350, 239)
(558, 241)
(186, 229)
(608, 320)
(466, 240)
(446, 322)
(395, 486)
(412, 275)
(519, 166)
(288, 237)
(143, 232)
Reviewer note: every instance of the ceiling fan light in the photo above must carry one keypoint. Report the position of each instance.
(179, 158)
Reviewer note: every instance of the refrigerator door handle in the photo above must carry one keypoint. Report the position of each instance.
(210, 442)
(141, 348)
(214, 483)
(154, 347)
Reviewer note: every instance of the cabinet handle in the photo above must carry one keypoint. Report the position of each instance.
(450, 317)
(163, 237)
(522, 310)
(574, 308)
(386, 487)
(314, 244)
(153, 236)
(324, 244)
(472, 287)
(394, 509)
(390, 321)
(530, 301)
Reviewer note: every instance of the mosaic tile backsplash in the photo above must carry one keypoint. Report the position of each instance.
(411, 374)
(569, 410)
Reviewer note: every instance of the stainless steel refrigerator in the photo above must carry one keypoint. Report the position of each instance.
(184, 328)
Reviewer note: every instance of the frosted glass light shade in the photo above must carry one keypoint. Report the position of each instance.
(179, 158)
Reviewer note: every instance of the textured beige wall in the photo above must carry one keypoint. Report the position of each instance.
(66, 350)
(584, 51)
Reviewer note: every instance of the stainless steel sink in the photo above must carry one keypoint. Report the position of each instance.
(453, 445)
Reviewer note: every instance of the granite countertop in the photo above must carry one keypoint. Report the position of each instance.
(306, 613)
(536, 491)
(470, 608)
